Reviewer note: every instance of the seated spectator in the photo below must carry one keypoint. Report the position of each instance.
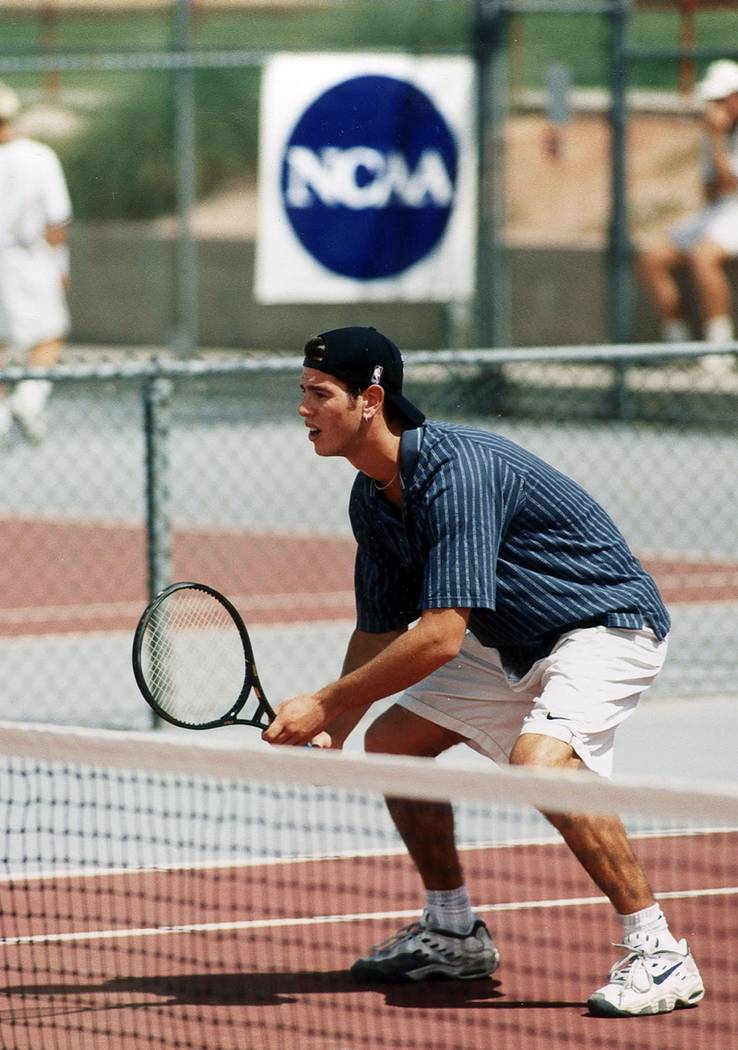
(706, 239)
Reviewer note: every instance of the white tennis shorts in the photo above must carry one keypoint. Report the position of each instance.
(717, 223)
(33, 305)
(580, 693)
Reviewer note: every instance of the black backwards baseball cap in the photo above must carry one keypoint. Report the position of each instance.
(364, 356)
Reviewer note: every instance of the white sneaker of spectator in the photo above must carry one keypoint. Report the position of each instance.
(718, 364)
(6, 420)
(28, 405)
(719, 330)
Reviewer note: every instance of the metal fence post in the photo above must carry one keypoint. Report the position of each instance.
(492, 284)
(157, 398)
(620, 289)
(186, 331)
(157, 417)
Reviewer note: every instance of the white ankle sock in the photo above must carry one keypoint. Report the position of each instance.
(719, 330)
(647, 929)
(675, 331)
(451, 909)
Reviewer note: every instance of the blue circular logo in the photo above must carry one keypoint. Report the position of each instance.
(369, 177)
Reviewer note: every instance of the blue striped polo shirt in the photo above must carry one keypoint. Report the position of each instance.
(490, 527)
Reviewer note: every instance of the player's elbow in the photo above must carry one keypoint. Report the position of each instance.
(446, 647)
(445, 651)
(444, 631)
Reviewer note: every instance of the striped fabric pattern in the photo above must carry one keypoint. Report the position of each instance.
(488, 526)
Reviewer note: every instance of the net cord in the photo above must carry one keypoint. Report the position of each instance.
(407, 777)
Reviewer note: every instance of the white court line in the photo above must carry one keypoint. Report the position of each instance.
(321, 920)
(100, 611)
(114, 610)
(58, 874)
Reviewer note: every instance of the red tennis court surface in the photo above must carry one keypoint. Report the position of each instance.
(261, 955)
(77, 576)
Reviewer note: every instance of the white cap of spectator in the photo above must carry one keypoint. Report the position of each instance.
(721, 80)
(9, 102)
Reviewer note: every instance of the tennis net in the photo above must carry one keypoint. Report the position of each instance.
(161, 891)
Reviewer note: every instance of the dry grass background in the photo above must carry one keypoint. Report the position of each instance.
(143, 5)
(566, 200)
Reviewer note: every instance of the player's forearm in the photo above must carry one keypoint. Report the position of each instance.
(362, 648)
(724, 178)
(407, 659)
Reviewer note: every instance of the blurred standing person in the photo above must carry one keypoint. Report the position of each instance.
(35, 211)
(707, 238)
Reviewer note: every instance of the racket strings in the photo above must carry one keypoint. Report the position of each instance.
(193, 657)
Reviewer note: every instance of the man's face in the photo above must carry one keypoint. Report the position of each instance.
(333, 417)
(725, 109)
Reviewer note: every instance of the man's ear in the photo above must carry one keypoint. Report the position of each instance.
(373, 401)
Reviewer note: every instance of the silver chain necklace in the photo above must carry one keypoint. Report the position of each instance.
(381, 488)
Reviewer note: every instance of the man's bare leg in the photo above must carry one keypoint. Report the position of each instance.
(450, 941)
(46, 354)
(426, 828)
(669, 978)
(598, 841)
(656, 269)
(707, 262)
(28, 400)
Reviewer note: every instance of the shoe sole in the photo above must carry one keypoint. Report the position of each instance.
(601, 1007)
(368, 972)
(34, 435)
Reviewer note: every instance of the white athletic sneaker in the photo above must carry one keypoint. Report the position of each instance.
(28, 405)
(654, 981)
(718, 365)
(6, 420)
(421, 950)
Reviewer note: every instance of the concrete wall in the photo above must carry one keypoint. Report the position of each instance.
(123, 293)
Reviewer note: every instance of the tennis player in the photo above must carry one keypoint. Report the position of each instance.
(501, 603)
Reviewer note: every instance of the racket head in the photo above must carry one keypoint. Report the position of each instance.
(193, 661)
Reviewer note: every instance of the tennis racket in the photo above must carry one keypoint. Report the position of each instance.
(193, 662)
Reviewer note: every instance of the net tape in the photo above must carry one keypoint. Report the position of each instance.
(406, 776)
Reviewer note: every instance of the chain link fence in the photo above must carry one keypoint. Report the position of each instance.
(161, 469)
(153, 109)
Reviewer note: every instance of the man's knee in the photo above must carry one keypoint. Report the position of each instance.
(707, 256)
(657, 260)
(375, 739)
(536, 750)
(387, 734)
(401, 732)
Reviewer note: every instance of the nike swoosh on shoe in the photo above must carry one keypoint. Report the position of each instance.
(660, 978)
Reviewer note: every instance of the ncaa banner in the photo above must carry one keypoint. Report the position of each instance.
(367, 179)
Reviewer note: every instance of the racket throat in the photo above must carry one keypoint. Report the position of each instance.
(264, 714)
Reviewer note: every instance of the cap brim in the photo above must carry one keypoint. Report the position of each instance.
(717, 90)
(409, 411)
